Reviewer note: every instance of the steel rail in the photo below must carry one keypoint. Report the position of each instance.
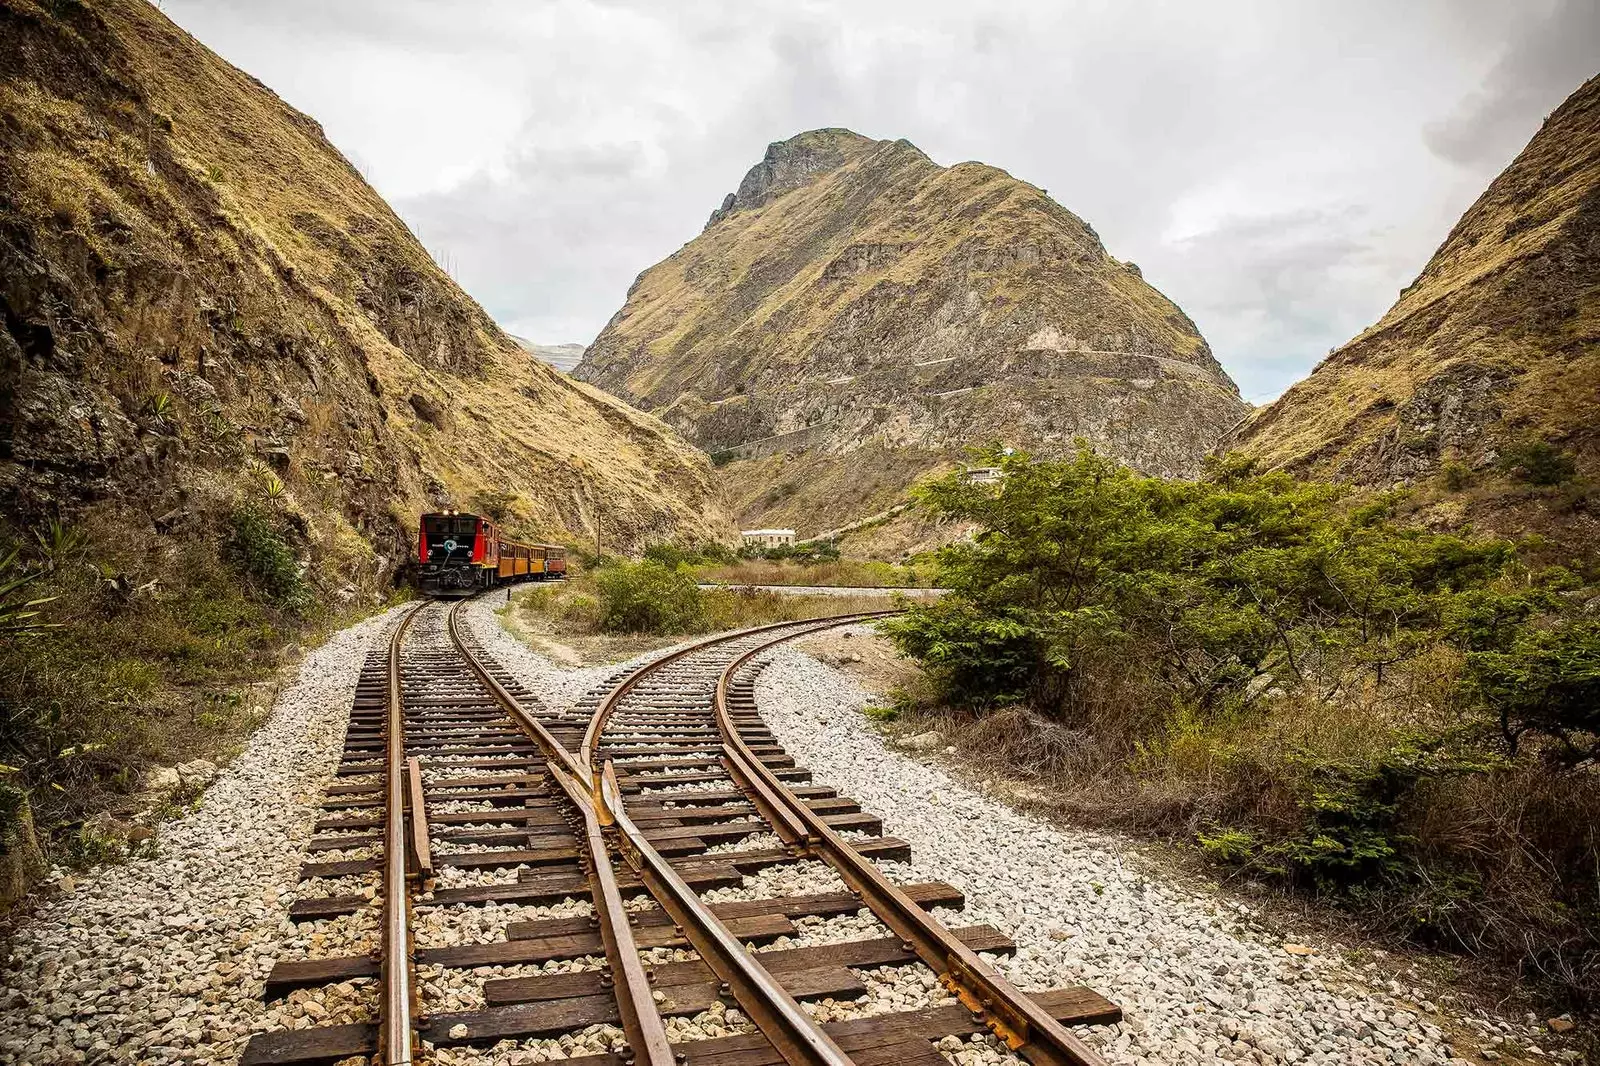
(397, 1033)
(792, 1031)
(588, 752)
(641, 1021)
(1010, 1012)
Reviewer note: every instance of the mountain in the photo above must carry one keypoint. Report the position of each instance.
(1496, 344)
(201, 296)
(564, 357)
(854, 315)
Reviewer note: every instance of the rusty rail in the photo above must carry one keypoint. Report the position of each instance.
(587, 753)
(794, 1033)
(647, 1034)
(397, 1032)
(1008, 1011)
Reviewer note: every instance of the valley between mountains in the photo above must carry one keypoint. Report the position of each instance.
(1226, 733)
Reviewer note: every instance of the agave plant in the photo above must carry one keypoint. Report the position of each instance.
(59, 542)
(19, 615)
(272, 487)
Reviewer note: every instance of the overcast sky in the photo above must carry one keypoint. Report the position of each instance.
(1281, 170)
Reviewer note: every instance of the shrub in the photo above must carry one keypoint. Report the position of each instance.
(1388, 714)
(19, 608)
(259, 552)
(1537, 462)
(647, 597)
(1547, 682)
(672, 555)
(1455, 476)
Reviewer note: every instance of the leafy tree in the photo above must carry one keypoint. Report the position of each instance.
(1546, 681)
(1206, 583)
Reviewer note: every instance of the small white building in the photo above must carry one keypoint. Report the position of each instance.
(767, 538)
(984, 475)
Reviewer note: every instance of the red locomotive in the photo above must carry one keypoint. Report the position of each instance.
(460, 553)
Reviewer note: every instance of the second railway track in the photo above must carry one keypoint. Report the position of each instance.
(632, 822)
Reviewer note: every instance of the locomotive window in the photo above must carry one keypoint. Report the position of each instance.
(452, 525)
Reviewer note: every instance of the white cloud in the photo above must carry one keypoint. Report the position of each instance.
(1281, 171)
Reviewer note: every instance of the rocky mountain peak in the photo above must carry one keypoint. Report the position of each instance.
(856, 315)
(790, 164)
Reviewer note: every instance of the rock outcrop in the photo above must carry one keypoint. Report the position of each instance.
(1497, 341)
(855, 315)
(201, 296)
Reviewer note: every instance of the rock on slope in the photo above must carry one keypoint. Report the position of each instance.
(1495, 342)
(856, 314)
(198, 288)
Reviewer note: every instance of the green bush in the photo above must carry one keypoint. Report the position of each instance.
(674, 555)
(1455, 476)
(811, 551)
(1545, 681)
(1201, 585)
(1402, 718)
(1537, 462)
(648, 597)
(259, 552)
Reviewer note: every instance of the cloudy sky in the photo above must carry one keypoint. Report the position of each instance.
(1280, 170)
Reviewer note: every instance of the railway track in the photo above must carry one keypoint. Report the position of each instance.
(628, 820)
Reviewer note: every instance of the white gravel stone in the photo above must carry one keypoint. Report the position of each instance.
(1196, 984)
(467, 923)
(162, 959)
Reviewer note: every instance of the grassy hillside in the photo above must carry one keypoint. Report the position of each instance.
(1493, 349)
(230, 378)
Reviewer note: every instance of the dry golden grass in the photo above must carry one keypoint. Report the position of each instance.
(839, 572)
(235, 241)
(562, 620)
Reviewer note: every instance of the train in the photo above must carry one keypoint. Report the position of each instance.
(460, 553)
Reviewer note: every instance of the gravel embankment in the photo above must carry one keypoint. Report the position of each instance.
(162, 959)
(1198, 978)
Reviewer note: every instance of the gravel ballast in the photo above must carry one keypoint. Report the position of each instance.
(162, 959)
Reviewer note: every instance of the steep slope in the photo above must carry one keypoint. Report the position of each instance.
(202, 297)
(855, 314)
(1495, 343)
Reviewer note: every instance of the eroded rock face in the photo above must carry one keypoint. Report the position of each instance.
(853, 299)
(1496, 341)
(193, 281)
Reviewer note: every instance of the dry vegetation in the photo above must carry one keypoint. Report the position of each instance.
(860, 573)
(622, 609)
